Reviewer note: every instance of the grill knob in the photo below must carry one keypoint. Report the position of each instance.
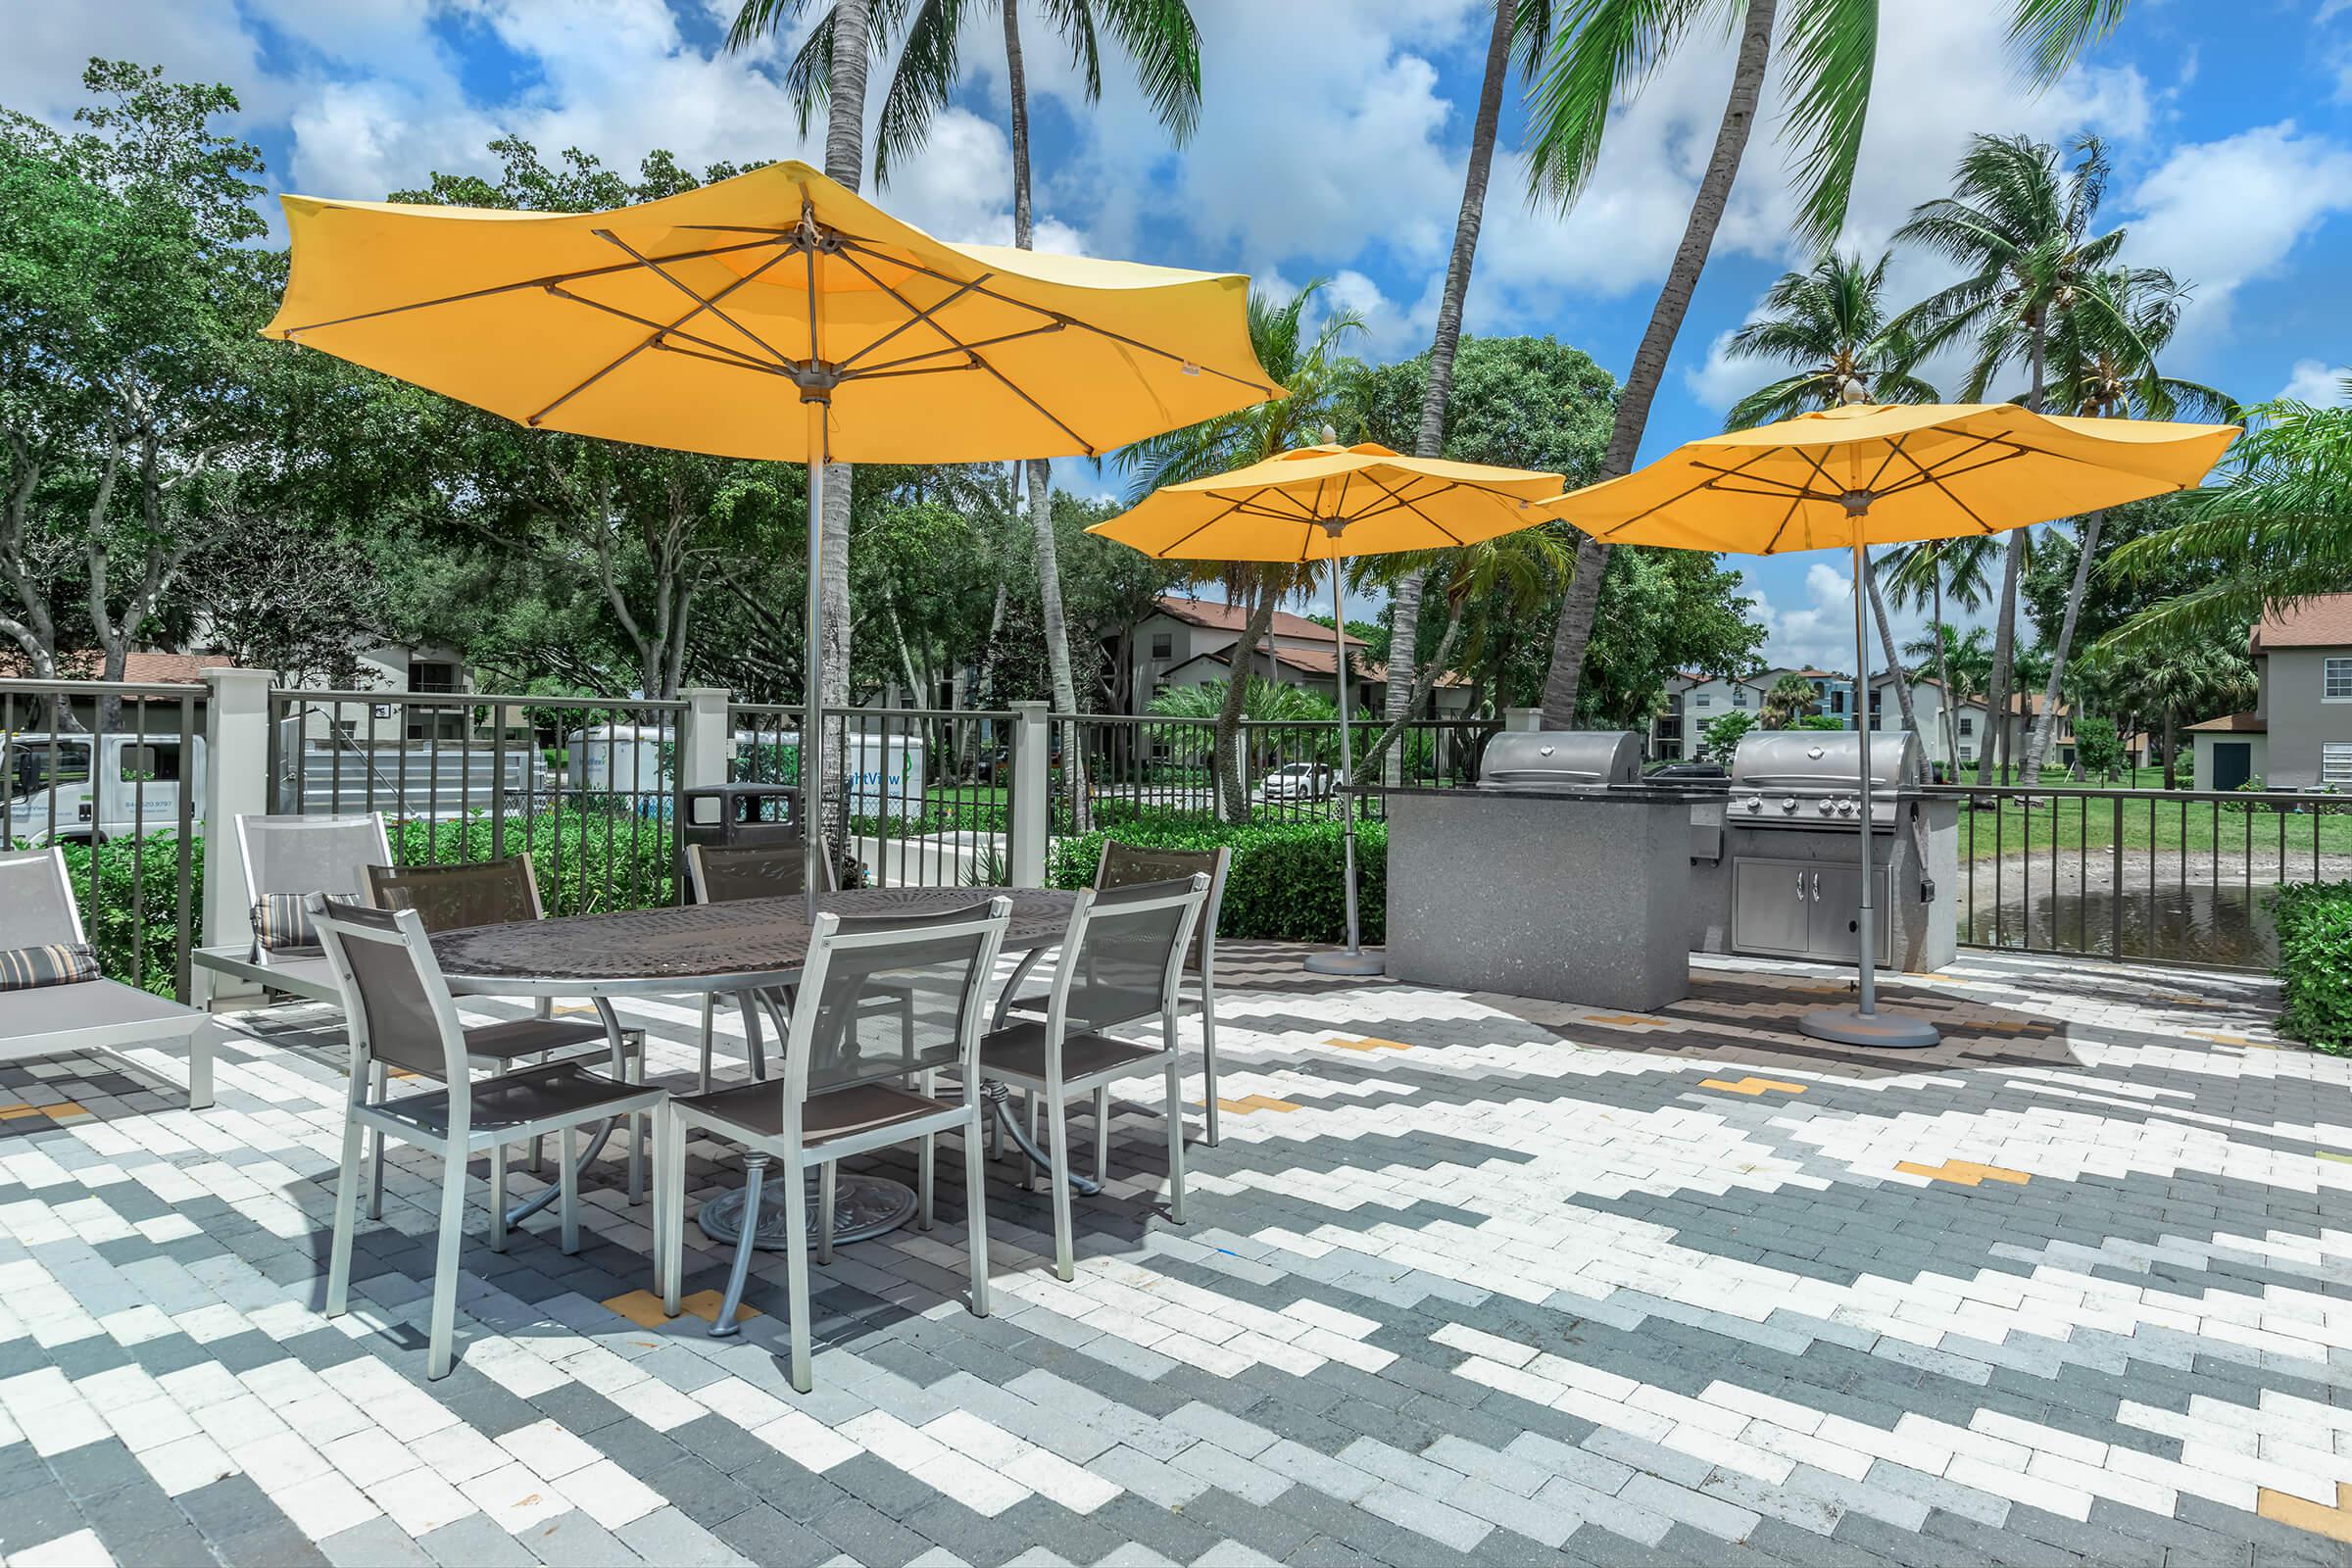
(1754, 803)
(1846, 808)
(1826, 807)
(1789, 802)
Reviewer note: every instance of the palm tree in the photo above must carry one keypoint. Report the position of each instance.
(845, 36)
(2104, 367)
(2278, 530)
(1160, 38)
(1831, 323)
(1917, 573)
(1308, 363)
(1522, 28)
(1790, 699)
(2021, 224)
(1604, 50)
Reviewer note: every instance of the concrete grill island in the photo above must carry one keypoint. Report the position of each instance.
(1565, 875)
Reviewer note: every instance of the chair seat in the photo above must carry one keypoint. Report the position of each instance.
(528, 1037)
(561, 1090)
(758, 1108)
(87, 1004)
(1018, 1051)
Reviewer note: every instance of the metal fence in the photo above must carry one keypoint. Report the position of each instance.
(112, 775)
(589, 788)
(2180, 876)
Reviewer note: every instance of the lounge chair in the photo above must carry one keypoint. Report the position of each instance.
(292, 857)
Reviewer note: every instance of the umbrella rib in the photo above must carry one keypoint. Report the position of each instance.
(922, 317)
(656, 337)
(1084, 327)
(546, 280)
(890, 366)
(1694, 490)
(702, 304)
(1928, 476)
(1774, 542)
(1412, 503)
(647, 321)
(1167, 552)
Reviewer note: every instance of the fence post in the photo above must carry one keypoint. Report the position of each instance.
(1523, 718)
(1031, 807)
(236, 783)
(703, 749)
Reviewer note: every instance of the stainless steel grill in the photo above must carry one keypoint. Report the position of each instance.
(1813, 779)
(1561, 758)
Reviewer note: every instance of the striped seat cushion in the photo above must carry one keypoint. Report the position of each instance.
(62, 963)
(280, 923)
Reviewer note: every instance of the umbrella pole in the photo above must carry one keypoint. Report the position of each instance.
(813, 729)
(1863, 1025)
(1353, 960)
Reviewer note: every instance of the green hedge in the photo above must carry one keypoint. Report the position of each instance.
(588, 862)
(2315, 962)
(1286, 882)
(137, 938)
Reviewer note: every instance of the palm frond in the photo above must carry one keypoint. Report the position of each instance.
(1830, 48)
(1164, 42)
(1600, 52)
(921, 86)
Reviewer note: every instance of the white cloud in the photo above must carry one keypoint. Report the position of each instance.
(2221, 214)
(1818, 630)
(2317, 382)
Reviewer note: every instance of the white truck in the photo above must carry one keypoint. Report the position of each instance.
(58, 795)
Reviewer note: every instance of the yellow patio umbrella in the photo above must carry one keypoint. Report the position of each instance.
(776, 314)
(1862, 475)
(1330, 503)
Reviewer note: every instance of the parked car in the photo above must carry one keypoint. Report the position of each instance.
(1689, 771)
(1296, 781)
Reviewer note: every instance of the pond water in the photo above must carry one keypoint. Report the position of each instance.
(2183, 922)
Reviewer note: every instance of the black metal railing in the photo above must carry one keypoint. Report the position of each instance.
(2176, 876)
(590, 788)
(924, 795)
(112, 774)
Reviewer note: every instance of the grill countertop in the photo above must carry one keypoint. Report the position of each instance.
(1617, 794)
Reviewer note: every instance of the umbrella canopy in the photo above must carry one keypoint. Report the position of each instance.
(1872, 474)
(1325, 503)
(701, 321)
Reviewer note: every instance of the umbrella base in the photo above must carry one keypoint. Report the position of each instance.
(1345, 962)
(1887, 1031)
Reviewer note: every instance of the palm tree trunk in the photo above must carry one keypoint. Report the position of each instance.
(1384, 751)
(1895, 665)
(1944, 676)
(2039, 744)
(1404, 604)
(2012, 560)
(1230, 769)
(1583, 602)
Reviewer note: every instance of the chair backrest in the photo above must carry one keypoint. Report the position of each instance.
(726, 872)
(36, 905)
(396, 1006)
(1124, 953)
(935, 968)
(452, 898)
(306, 854)
(1125, 866)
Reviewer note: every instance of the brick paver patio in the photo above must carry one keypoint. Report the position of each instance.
(1470, 1280)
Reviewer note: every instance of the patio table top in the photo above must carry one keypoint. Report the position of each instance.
(703, 947)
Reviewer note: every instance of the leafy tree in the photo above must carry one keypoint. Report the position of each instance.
(1790, 699)
(2166, 682)
(1663, 611)
(1823, 721)
(2098, 748)
(1723, 734)
(1604, 51)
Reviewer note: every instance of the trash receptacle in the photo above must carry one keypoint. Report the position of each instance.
(741, 813)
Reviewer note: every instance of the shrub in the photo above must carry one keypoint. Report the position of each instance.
(2315, 962)
(136, 937)
(588, 862)
(1285, 881)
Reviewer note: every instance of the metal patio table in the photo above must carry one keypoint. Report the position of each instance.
(738, 949)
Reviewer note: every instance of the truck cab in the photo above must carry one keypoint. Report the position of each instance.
(79, 788)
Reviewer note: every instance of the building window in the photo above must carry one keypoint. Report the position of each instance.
(1967, 753)
(150, 763)
(1739, 697)
(432, 675)
(1706, 701)
(1163, 645)
(1968, 725)
(2336, 679)
(2336, 762)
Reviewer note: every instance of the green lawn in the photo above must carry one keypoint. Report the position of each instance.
(2152, 819)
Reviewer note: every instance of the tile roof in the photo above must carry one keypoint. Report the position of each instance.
(1218, 615)
(2324, 620)
(2231, 723)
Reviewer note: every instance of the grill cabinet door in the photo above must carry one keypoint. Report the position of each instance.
(1836, 909)
(1771, 906)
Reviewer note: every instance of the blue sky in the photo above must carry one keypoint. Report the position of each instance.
(1332, 146)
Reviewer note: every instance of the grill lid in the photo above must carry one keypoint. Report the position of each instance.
(1587, 759)
(1812, 761)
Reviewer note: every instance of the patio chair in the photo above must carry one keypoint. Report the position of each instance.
(453, 898)
(724, 873)
(1125, 866)
(841, 1092)
(52, 998)
(401, 1015)
(286, 858)
(1122, 961)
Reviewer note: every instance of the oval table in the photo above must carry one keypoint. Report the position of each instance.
(738, 949)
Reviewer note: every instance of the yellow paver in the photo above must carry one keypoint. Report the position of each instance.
(644, 1308)
(1751, 1086)
(1965, 1172)
(1623, 1019)
(1256, 1103)
(1368, 1043)
(2285, 1507)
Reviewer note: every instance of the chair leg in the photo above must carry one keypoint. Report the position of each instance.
(1103, 1131)
(751, 1033)
(1208, 1052)
(755, 1172)
(567, 1199)
(379, 1088)
(201, 1041)
(709, 1021)
(1175, 1139)
(1028, 1166)
(796, 1267)
(975, 1211)
(347, 1206)
(445, 1263)
(498, 1198)
(926, 1163)
(670, 1182)
(825, 1200)
(1065, 1254)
